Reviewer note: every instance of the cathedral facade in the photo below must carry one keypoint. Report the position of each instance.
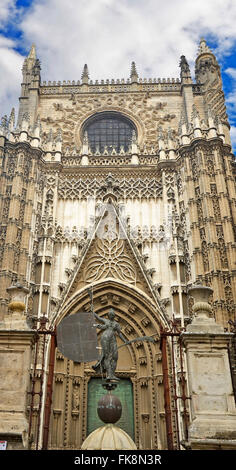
(126, 188)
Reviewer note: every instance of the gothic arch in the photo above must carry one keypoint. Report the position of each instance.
(80, 299)
(140, 362)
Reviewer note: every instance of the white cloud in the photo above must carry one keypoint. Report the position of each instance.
(109, 34)
(232, 72)
(10, 76)
(6, 8)
(10, 61)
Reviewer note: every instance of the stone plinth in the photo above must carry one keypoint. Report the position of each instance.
(16, 340)
(16, 318)
(213, 413)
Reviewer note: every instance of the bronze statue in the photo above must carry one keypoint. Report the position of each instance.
(109, 357)
(108, 360)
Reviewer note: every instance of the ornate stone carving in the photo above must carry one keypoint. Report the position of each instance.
(110, 260)
(78, 188)
(222, 247)
(215, 202)
(145, 113)
(199, 205)
(204, 250)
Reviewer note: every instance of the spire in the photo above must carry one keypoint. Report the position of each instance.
(29, 86)
(32, 54)
(85, 74)
(31, 58)
(133, 73)
(207, 69)
(31, 64)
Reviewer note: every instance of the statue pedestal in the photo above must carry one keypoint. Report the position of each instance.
(16, 340)
(213, 413)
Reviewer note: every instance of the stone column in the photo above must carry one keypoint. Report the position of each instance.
(213, 412)
(16, 341)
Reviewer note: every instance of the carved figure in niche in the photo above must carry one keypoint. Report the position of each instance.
(75, 398)
(109, 356)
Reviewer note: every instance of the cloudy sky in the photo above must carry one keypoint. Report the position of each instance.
(109, 34)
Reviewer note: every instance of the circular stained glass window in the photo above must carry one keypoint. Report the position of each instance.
(109, 130)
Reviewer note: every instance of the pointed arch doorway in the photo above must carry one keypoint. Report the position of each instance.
(139, 364)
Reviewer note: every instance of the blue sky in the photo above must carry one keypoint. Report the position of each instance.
(109, 35)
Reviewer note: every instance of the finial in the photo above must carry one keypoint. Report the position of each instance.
(170, 133)
(97, 151)
(26, 117)
(133, 73)
(159, 133)
(203, 47)
(134, 137)
(85, 138)
(4, 125)
(50, 136)
(195, 113)
(85, 74)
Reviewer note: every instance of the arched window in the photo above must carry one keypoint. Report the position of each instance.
(109, 130)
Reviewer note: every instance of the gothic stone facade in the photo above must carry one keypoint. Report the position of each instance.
(139, 223)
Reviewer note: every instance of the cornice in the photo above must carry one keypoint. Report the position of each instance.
(198, 142)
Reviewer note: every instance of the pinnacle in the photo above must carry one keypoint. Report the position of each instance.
(12, 119)
(12, 115)
(133, 73)
(85, 74)
(32, 54)
(133, 69)
(203, 47)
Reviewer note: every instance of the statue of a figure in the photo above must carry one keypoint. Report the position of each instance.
(109, 356)
(184, 67)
